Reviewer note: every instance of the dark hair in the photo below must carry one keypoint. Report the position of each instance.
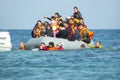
(99, 42)
(39, 21)
(52, 17)
(61, 25)
(82, 46)
(57, 13)
(45, 22)
(51, 43)
(42, 43)
(75, 7)
(79, 24)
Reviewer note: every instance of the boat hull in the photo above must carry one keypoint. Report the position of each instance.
(67, 45)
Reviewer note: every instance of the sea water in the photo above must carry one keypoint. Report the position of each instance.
(82, 64)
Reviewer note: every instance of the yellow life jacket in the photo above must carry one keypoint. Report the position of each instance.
(91, 46)
(59, 18)
(76, 20)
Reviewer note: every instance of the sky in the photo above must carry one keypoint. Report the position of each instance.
(23, 14)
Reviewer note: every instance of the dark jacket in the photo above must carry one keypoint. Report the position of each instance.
(49, 32)
(61, 34)
(77, 15)
(69, 34)
(43, 32)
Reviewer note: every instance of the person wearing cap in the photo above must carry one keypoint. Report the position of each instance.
(51, 46)
(59, 46)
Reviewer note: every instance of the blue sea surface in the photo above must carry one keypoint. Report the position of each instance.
(82, 64)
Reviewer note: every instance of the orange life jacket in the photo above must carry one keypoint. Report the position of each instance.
(90, 34)
(52, 48)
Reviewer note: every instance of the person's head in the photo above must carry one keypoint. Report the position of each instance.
(22, 46)
(52, 18)
(42, 44)
(60, 21)
(51, 44)
(46, 23)
(59, 45)
(43, 27)
(81, 26)
(75, 9)
(71, 21)
(61, 25)
(75, 27)
(49, 27)
(82, 46)
(66, 24)
(98, 43)
(39, 23)
(81, 21)
(56, 15)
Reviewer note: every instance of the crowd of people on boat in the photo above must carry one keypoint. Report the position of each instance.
(72, 28)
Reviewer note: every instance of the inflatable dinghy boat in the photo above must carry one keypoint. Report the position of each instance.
(67, 45)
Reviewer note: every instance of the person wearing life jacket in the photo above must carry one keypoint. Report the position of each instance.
(72, 33)
(84, 34)
(36, 32)
(54, 25)
(22, 46)
(82, 46)
(43, 31)
(59, 47)
(51, 46)
(68, 31)
(77, 15)
(91, 33)
(98, 45)
(43, 46)
(33, 33)
(57, 16)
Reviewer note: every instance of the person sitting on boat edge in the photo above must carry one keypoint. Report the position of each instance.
(59, 46)
(22, 46)
(36, 32)
(84, 34)
(77, 15)
(98, 45)
(43, 46)
(51, 46)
